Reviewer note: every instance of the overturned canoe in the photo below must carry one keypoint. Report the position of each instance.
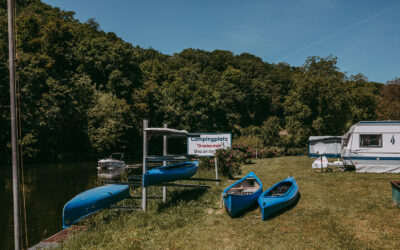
(92, 201)
(242, 194)
(278, 197)
(173, 172)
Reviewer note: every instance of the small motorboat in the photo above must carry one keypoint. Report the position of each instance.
(242, 194)
(111, 167)
(92, 201)
(173, 172)
(278, 197)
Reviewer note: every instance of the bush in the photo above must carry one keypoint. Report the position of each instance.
(206, 162)
(249, 140)
(229, 161)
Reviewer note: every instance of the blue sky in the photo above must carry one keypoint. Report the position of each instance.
(364, 35)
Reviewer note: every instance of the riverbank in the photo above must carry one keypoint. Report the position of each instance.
(336, 210)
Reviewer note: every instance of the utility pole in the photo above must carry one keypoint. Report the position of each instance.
(11, 55)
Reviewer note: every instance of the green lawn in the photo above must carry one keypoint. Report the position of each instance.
(338, 210)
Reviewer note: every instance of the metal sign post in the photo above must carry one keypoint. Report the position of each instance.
(144, 189)
(165, 145)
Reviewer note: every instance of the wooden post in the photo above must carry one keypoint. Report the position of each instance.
(144, 189)
(216, 170)
(322, 169)
(11, 55)
(165, 148)
(256, 153)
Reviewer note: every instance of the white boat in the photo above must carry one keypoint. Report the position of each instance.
(111, 167)
(373, 146)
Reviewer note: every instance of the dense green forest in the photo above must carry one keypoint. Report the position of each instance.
(84, 92)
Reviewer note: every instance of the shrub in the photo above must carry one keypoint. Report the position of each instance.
(249, 140)
(229, 161)
(206, 162)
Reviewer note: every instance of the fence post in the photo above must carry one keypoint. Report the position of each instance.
(322, 168)
(216, 170)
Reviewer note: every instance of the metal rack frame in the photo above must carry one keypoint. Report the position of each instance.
(136, 181)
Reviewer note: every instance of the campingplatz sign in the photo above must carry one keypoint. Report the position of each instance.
(205, 144)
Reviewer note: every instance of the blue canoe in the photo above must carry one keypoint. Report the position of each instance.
(242, 194)
(92, 201)
(173, 172)
(278, 197)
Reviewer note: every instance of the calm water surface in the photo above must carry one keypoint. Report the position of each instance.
(47, 188)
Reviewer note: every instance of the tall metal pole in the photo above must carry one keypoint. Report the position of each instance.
(144, 189)
(11, 55)
(165, 149)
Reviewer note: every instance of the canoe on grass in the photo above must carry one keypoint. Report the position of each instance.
(92, 201)
(242, 194)
(173, 172)
(278, 197)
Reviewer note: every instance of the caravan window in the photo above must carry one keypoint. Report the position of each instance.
(370, 140)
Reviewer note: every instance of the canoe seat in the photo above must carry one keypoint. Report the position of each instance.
(280, 190)
(243, 190)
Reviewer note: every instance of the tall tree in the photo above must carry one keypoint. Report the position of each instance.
(318, 102)
(389, 101)
(109, 123)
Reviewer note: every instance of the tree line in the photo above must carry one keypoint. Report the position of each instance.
(84, 92)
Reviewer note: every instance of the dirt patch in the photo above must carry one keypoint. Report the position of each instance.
(363, 230)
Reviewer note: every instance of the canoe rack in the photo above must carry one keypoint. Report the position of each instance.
(136, 181)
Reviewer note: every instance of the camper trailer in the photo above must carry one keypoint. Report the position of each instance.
(372, 146)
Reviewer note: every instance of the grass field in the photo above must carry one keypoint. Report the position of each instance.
(338, 210)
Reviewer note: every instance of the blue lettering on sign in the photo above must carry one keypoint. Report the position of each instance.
(209, 139)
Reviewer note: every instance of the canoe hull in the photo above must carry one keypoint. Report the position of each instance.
(271, 205)
(236, 204)
(92, 201)
(173, 172)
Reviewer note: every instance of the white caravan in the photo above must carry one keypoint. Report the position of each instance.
(373, 146)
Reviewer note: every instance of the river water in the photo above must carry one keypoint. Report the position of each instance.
(47, 188)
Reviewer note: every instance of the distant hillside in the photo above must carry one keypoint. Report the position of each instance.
(84, 92)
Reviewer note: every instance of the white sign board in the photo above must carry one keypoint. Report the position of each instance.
(206, 144)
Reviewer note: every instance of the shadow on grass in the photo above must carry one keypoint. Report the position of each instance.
(244, 212)
(249, 163)
(285, 209)
(182, 196)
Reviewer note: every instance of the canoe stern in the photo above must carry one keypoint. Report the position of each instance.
(91, 201)
(236, 204)
(272, 205)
